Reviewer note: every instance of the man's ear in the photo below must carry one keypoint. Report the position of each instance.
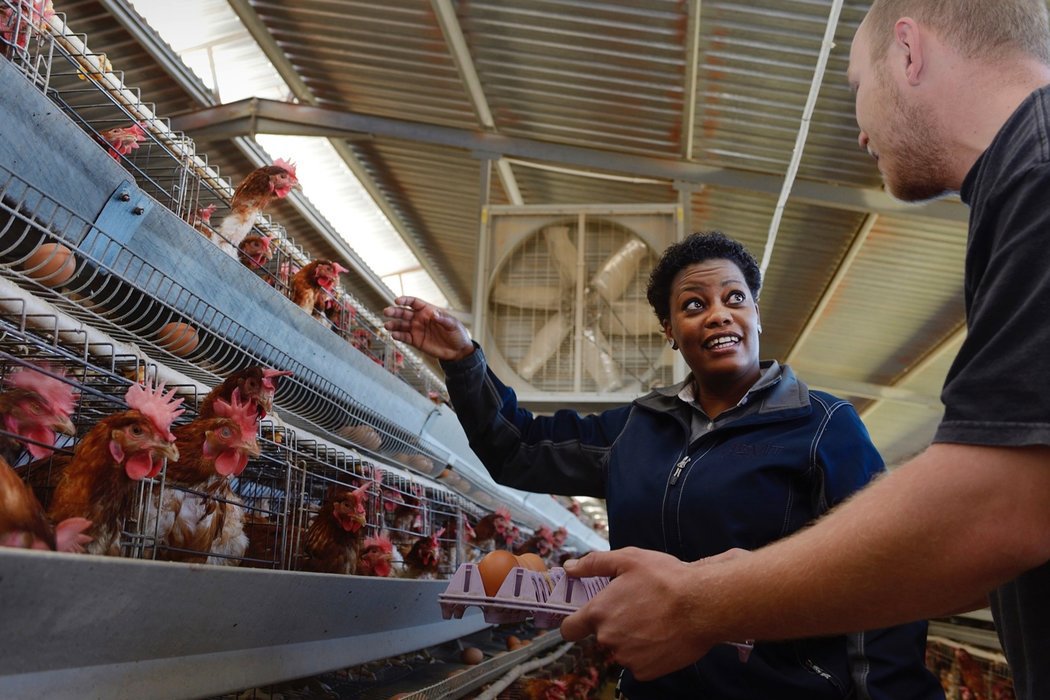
(909, 41)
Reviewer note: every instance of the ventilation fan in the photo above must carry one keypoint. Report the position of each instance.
(568, 312)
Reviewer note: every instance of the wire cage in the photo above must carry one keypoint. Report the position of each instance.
(335, 485)
(247, 514)
(165, 165)
(271, 504)
(269, 507)
(269, 487)
(23, 36)
(105, 284)
(75, 294)
(967, 672)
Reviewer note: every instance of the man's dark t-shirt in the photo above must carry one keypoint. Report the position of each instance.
(998, 389)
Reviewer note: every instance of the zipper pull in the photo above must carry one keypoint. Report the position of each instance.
(678, 469)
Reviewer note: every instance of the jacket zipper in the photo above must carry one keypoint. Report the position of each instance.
(678, 469)
(824, 674)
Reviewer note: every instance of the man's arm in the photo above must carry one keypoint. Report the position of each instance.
(932, 537)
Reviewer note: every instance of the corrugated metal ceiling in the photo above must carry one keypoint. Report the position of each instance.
(877, 316)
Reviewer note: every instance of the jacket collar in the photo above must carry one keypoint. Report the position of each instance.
(777, 390)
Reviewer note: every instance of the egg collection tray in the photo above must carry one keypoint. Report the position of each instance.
(546, 597)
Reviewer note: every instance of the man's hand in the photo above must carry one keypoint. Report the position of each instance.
(427, 328)
(645, 615)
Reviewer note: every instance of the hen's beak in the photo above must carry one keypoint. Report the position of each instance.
(251, 447)
(167, 449)
(64, 425)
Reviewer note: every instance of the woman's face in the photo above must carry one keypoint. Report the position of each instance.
(714, 320)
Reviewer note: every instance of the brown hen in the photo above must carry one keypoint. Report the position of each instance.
(252, 196)
(121, 450)
(35, 405)
(333, 541)
(24, 525)
(424, 559)
(257, 385)
(313, 285)
(198, 513)
(255, 253)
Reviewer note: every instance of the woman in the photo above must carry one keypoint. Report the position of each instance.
(739, 454)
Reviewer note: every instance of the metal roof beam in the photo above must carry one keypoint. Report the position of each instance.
(274, 117)
(934, 355)
(692, 58)
(457, 46)
(841, 386)
(840, 274)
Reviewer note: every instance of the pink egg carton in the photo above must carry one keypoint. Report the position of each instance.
(546, 597)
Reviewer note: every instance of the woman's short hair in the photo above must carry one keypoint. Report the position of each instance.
(990, 29)
(697, 248)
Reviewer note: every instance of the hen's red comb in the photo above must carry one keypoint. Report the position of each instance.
(362, 492)
(159, 407)
(286, 165)
(204, 213)
(55, 392)
(270, 374)
(241, 412)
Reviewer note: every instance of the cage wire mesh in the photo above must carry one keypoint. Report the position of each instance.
(166, 166)
(118, 291)
(276, 498)
(99, 287)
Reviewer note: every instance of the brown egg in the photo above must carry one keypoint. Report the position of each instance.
(494, 567)
(513, 643)
(472, 656)
(51, 264)
(532, 562)
(179, 338)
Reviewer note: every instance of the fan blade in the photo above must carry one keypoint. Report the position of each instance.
(616, 274)
(563, 253)
(598, 361)
(628, 318)
(527, 296)
(544, 345)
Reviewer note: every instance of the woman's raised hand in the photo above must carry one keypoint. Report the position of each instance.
(427, 328)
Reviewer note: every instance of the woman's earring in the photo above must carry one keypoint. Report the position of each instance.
(674, 345)
(760, 328)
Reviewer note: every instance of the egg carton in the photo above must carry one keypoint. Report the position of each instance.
(546, 597)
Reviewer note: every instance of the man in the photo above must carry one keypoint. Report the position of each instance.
(951, 95)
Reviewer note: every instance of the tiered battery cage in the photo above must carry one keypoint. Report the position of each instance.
(99, 261)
